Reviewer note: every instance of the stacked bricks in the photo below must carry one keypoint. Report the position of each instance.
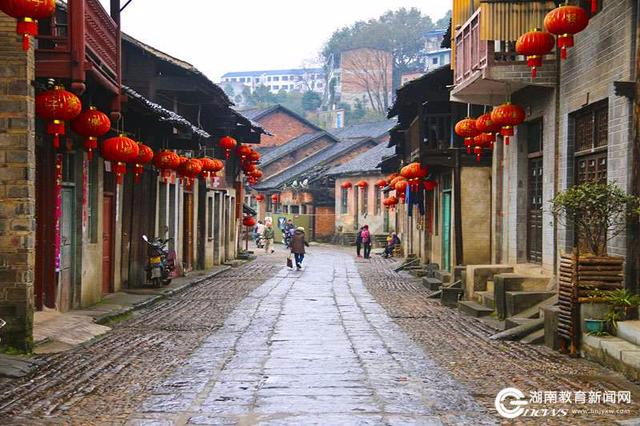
(17, 188)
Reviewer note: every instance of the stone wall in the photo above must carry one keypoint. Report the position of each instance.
(17, 188)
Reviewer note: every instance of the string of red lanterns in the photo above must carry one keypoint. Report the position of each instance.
(120, 151)
(145, 156)
(57, 106)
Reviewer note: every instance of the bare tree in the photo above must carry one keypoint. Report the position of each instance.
(369, 73)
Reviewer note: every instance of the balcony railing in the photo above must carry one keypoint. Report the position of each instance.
(474, 54)
(80, 38)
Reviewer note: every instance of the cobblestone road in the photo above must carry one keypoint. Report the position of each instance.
(343, 342)
(461, 346)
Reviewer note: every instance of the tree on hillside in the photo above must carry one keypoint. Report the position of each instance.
(401, 32)
(311, 101)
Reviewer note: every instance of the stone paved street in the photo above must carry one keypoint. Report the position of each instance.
(342, 342)
(310, 347)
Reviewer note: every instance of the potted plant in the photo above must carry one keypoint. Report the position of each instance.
(621, 305)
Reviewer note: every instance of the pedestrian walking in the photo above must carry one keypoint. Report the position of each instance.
(298, 243)
(366, 241)
(258, 231)
(359, 241)
(267, 237)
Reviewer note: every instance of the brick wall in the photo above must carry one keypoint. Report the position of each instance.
(284, 128)
(17, 188)
(325, 222)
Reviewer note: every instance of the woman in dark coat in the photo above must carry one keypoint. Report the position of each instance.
(298, 244)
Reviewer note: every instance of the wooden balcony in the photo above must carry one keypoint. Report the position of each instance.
(79, 41)
(488, 70)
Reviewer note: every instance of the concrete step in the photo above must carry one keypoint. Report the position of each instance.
(486, 298)
(536, 311)
(613, 352)
(451, 296)
(535, 338)
(629, 331)
(518, 301)
(474, 309)
(444, 276)
(432, 284)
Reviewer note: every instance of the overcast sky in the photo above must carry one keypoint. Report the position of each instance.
(219, 36)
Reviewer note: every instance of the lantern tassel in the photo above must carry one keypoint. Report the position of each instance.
(26, 43)
(506, 140)
(534, 72)
(594, 6)
(56, 141)
(90, 154)
(563, 52)
(468, 150)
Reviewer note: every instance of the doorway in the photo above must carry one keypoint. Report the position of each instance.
(446, 230)
(534, 191)
(67, 246)
(187, 250)
(107, 243)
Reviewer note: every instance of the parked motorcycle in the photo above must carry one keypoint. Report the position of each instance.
(161, 263)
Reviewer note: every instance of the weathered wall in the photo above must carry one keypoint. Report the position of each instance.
(325, 222)
(17, 188)
(284, 128)
(476, 214)
(372, 217)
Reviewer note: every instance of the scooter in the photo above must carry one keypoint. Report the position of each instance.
(161, 263)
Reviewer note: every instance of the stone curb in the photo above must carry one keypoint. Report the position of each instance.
(103, 319)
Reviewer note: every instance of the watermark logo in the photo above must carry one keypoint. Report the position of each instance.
(511, 403)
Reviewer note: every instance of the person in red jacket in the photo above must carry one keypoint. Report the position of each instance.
(366, 241)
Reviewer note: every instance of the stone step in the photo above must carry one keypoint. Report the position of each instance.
(432, 284)
(629, 331)
(486, 298)
(518, 301)
(444, 276)
(516, 321)
(474, 309)
(536, 310)
(535, 338)
(613, 352)
(451, 296)
(523, 330)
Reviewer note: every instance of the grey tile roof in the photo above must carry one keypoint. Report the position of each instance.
(373, 129)
(305, 168)
(291, 146)
(256, 114)
(366, 162)
(164, 115)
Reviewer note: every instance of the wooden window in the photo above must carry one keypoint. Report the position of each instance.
(365, 200)
(591, 167)
(534, 137)
(591, 127)
(378, 200)
(344, 201)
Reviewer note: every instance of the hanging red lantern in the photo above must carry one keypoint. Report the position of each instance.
(507, 116)
(362, 184)
(254, 156)
(467, 129)
(275, 198)
(145, 155)
(166, 162)
(346, 185)
(189, 170)
(381, 183)
(57, 105)
(392, 176)
(395, 180)
(249, 221)
(401, 187)
(227, 143)
(534, 45)
(391, 202)
(244, 151)
(27, 12)
(120, 150)
(430, 185)
(255, 176)
(260, 198)
(207, 167)
(247, 168)
(565, 21)
(91, 124)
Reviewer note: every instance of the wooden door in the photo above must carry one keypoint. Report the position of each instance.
(107, 244)
(187, 255)
(446, 231)
(534, 211)
(67, 255)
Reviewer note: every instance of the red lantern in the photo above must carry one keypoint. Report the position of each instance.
(534, 45)
(391, 202)
(430, 185)
(362, 184)
(249, 167)
(401, 187)
(120, 151)
(244, 151)
(507, 116)
(275, 198)
(249, 221)
(91, 124)
(227, 143)
(57, 105)
(260, 198)
(145, 155)
(27, 12)
(166, 162)
(394, 181)
(346, 185)
(467, 129)
(190, 169)
(254, 156)
(255, 176)
(392, 176)
(381, 183)
(565, 21)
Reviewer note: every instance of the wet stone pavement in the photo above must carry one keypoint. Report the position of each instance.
(310, 347)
